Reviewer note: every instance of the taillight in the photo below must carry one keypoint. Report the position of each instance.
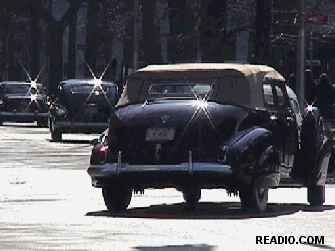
(103, 153)
(103, 150)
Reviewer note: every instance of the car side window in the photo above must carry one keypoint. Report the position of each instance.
(280, 97)
(268, 95)
(295, 106)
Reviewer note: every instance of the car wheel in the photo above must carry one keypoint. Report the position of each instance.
(56, 136)
(331, 166)
(316, 195)
(117, 198)
(254, 199)
(192, 197)
(311, 133)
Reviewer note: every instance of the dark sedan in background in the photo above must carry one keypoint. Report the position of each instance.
(82, 106)
(23, 102)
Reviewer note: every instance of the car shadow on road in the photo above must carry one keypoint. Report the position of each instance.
(209, 210)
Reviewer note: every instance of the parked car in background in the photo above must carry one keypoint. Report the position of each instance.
(204, 126)
(23, 102)
(82, 106)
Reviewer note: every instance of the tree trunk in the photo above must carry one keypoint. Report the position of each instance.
(213, 18)
(263, 27)
(71, 67)
(151, 33)
(34, 47)
(56, 56)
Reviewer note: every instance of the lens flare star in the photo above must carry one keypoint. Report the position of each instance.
(309, 108)
(33, 90)
(201, 104)
(97, 84)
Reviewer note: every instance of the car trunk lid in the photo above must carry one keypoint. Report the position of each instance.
(84, 103)
(166, 132)
(24, 103)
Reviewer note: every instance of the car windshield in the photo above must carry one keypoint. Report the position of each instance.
(24, 88)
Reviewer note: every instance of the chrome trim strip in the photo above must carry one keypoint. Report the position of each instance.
(190, 164)
(118, 166)
(111, 169)
(76, 124)
(24, 114)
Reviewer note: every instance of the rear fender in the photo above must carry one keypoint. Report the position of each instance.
(267, 172)
(249, 140)
(252, 155)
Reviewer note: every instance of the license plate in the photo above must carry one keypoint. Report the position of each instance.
(91, 110)
(160, 134)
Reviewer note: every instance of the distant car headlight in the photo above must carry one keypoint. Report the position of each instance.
(2, 103)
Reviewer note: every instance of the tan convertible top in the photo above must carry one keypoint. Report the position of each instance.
(239, 84)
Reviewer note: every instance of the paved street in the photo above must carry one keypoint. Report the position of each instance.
(48, 203)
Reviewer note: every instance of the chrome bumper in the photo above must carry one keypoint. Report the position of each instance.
(115, 169)
(24, 115)
(65, 126)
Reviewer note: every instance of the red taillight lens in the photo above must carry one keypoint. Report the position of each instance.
(103, 150)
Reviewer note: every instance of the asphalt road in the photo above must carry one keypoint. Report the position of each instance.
(47, 203)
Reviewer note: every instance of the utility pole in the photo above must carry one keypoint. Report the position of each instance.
(301, 57)
(135, 66)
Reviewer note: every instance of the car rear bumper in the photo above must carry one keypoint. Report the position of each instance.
(111, 169)
(23, 116)
(160, 174)
(80, 127)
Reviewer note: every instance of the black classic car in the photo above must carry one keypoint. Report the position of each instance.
(82, 106)
(23, 102)
(206, 126)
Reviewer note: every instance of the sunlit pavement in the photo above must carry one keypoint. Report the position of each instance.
(58, 209)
